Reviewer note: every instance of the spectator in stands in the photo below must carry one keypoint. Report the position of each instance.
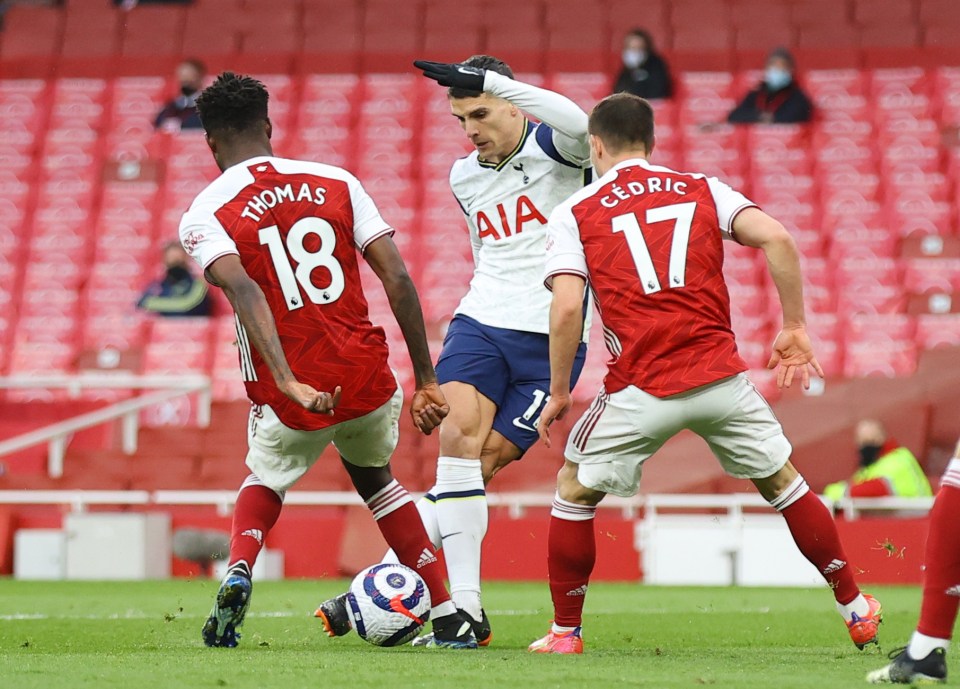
(886, 468)
(778, 98)
(178, 292)
(181, 112)
(644, 72)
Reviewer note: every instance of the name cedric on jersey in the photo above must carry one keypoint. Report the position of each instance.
(635, 188)
(268, 198)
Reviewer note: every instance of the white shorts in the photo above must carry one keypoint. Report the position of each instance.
(280, 455)
(620, 431)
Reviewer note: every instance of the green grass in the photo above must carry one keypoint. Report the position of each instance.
(147, 636)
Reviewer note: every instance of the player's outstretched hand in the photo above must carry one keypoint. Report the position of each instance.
(452, 74)
(429, 407)
(793, 353)
(557, 407)
(311, 399)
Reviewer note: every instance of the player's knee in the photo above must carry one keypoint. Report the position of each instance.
(368, 481)
(570, 489)
(458, 439)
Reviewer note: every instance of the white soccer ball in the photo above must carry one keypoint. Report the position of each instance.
(388, 604)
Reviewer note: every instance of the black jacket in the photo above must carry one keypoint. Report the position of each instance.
(788, 105)
(649, 80)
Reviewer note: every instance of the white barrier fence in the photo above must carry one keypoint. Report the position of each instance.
(718, 540)
(57, 435)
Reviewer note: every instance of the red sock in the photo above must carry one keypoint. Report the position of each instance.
(815, 534)
(938, 611)
(572, 548)
(401, 526)
(255, 513)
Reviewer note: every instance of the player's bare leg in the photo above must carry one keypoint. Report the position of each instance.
(497, 453)
(815, 534)
(572, 553)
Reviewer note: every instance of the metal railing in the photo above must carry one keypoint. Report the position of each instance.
(57, 435)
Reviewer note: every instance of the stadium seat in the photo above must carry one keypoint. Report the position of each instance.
(91, 40)
(392, 35)
(440, 16)
(217, 48)
(884, 359)
(31, 40)
(332, 38)
(151, 39)
(938, 330)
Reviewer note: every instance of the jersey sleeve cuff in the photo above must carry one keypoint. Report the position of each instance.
(733, 216)
(387, 231)
(548, 280)
(219, 254)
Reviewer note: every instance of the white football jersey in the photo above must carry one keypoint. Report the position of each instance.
(507, 206)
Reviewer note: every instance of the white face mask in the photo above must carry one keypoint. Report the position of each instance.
(776, 78)
(633, 58)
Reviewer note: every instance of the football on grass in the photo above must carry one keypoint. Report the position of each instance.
(388, 604)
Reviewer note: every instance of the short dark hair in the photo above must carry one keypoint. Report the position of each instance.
(480, 62)
(623, 122)
(233, 103)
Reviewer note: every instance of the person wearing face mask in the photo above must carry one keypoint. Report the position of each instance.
(178, 292)
(181, 112)
(644, 72)
(887, 469)
(778, 98)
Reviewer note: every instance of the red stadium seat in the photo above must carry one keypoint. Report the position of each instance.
(392, 35)
(816, 13)
(938, 330)
(880, 328)
(31, 40)
(332, 37)
(151, 41)
(928, 275)
(687, 14)
(91, 40)
(883, 359)
(870, 298)
(853, 241)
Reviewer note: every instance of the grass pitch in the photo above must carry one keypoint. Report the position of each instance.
(147, 635)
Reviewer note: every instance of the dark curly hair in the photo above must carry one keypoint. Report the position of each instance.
(480, 62)
(233, 103)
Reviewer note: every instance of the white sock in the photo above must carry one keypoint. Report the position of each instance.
(447, 608)
(461, 510)
(858, 605)
(427, 507)
(557, 629)
(922, 645)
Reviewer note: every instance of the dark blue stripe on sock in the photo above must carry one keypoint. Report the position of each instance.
(461, 494)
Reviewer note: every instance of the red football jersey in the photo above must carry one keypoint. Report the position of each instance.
(296, 226)
(650, 242)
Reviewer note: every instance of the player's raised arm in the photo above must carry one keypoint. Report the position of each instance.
(562, 115)
(792, 349)
(251, 307)
(429, 406)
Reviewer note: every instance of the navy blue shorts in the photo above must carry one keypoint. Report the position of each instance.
(509, 367)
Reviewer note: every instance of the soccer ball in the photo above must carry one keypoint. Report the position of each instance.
(388, 604)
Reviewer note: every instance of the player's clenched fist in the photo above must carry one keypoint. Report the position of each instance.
(311, 399)
(429, 407)
(455, 75)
